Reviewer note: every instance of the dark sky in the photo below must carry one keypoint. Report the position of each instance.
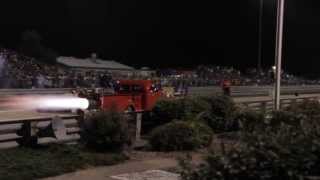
(168, 34)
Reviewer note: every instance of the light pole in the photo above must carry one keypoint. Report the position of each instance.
(278, 53)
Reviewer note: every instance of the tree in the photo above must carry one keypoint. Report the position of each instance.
(31, 45)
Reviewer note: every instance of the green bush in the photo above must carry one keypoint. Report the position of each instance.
(204, 134)
(47, 161)
(222, 106)
(221, 114)
(194, 106)
(286, 146)
(309, 108)
(249, 120)
(107, 131)
(166, 111)
(180, 135)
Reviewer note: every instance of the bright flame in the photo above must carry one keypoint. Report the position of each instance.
(62, 102)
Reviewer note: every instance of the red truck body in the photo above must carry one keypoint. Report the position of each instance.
(132, 95)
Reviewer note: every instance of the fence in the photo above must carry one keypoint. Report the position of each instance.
(21, 130)
(236, 91)
(242, 91)
(267, 105)
(34, 91)
(16, 131)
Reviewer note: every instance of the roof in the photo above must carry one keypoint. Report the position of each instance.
(92, 63)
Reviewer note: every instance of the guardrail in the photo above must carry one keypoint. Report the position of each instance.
(34, 91)
(266, 106)
(240, 91)
(236, 91)
(15, 132)
(31, 131)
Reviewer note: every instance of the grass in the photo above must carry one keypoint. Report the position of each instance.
(28, 164)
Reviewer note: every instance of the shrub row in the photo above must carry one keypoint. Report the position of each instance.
(218, 112)
(187, 124)
(285, 146)
(180, 135)
(106, 131)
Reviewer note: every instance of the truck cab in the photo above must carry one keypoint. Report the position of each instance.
(132, 95)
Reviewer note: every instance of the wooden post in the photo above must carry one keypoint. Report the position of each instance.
(264, 107)
(138, 125)
(28, 132)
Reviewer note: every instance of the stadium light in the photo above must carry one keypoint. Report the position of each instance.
(278, 52)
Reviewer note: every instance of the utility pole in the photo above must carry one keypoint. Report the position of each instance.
(259, 64)
(278, 53)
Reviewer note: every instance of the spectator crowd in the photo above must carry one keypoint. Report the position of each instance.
(214, 75)
(19, 71)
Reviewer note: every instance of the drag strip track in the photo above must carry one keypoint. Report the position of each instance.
(8, 129)
(236, 91)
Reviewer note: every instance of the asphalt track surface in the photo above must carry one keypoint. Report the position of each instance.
(15, 115)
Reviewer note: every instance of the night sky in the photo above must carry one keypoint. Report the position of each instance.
(168, 34)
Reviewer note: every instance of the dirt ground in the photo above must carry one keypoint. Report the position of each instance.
(139, 161)
(145, 160)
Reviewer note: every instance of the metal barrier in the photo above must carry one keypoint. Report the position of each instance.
(16, 130)
(39, 130)
(243, 91)
(34, 91)
(267, 105)
(236, 91)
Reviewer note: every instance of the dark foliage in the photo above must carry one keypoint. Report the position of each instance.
(221, 114)
(31, 45)
(107, 131)
(249, 120)
(29, 164)
(285, 146)
(180, 135)
(166, 111)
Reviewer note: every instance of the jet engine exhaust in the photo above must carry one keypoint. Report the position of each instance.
(45, 102)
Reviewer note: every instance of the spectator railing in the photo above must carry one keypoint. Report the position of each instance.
(35, 91)
(14, 131)
(266, 106)
(240, 91)
(236, 91)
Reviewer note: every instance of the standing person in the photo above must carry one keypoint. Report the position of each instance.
(226, 87)
(34, 81)
(41, 81)
(186, 89)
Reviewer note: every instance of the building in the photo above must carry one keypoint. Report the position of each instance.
(146, 72)
(95, 64)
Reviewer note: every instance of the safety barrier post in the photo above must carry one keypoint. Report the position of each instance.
(138, 125)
